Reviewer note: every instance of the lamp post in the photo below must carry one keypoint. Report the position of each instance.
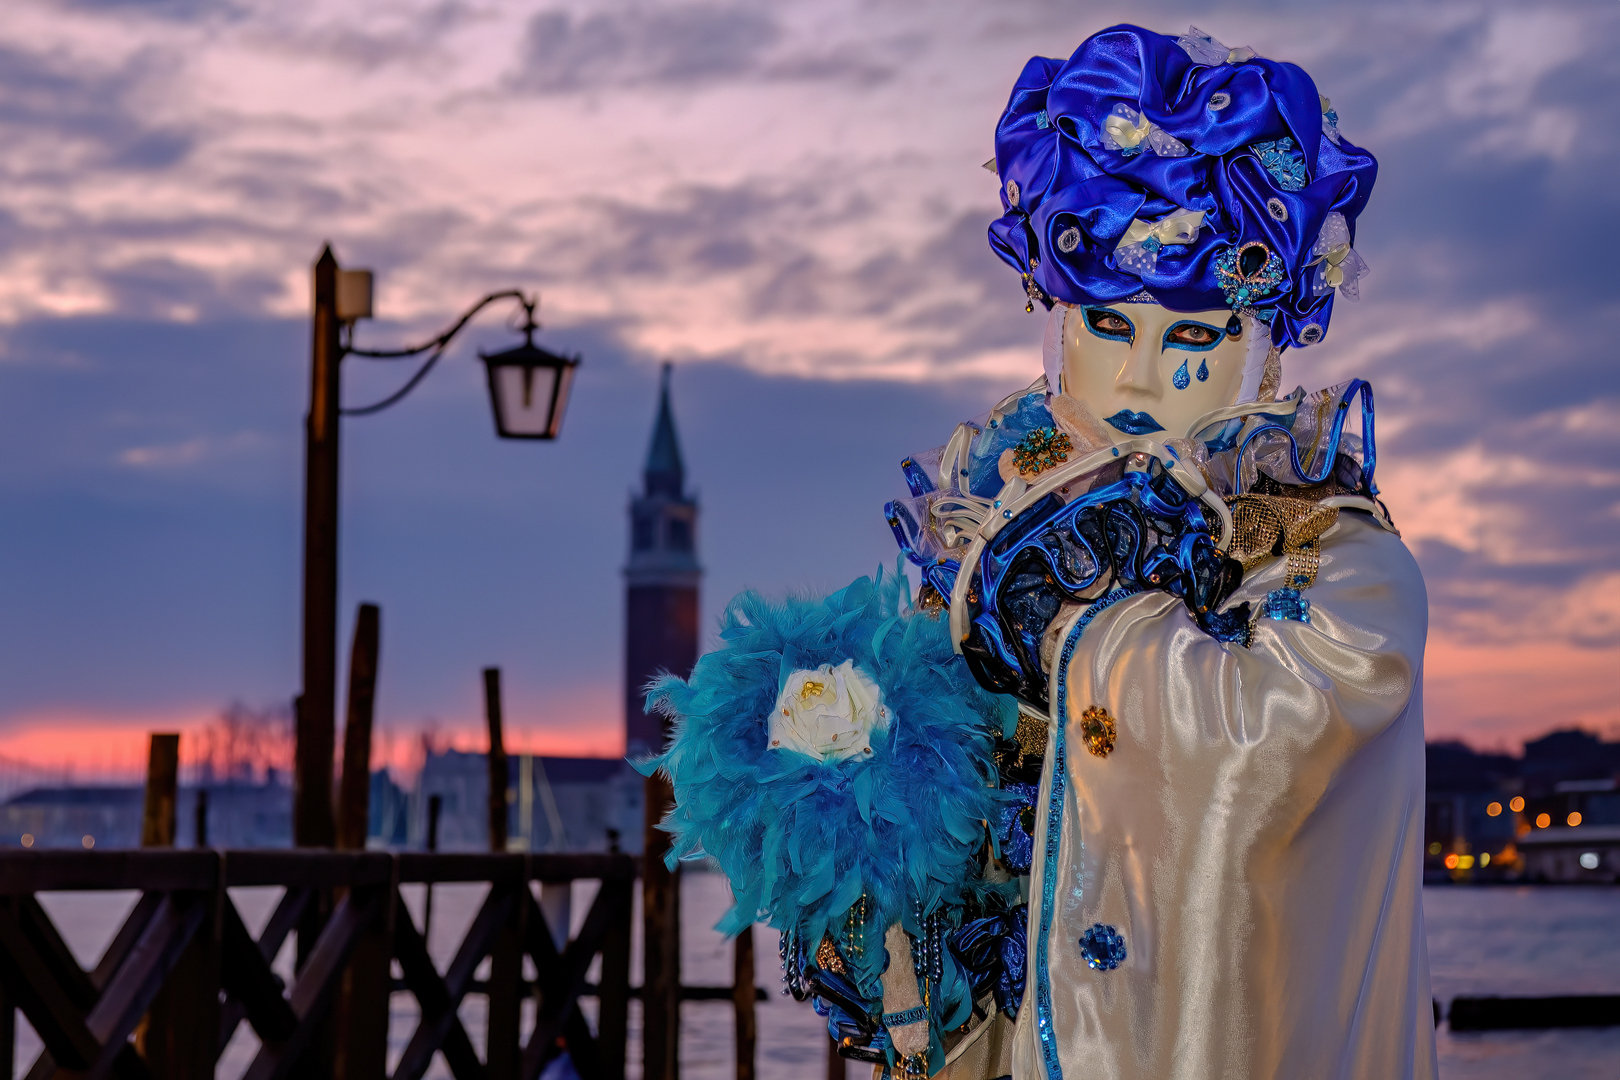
(528, 388)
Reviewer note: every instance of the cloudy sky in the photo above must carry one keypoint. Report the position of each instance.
(785, 199)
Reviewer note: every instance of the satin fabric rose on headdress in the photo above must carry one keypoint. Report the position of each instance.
(1141, 129)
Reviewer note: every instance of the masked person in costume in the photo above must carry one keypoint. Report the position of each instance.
(1134, 787)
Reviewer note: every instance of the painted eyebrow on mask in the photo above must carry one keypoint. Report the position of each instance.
(1180, 336)
(1096, 317)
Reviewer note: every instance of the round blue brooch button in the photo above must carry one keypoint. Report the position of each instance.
(1102, 947)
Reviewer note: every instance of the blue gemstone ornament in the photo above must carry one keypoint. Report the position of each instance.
(1102, 947)
(1248, 272)
(1203, 371)
(1284, 161)
(1181, 379)
(1286, 603)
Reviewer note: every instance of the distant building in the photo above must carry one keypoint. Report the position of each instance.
(1542, 816)
(553, 803)
(1463, 786)
(388, 819)
(240, 815)
(64, 816)
(1585, 853)
(661, 580)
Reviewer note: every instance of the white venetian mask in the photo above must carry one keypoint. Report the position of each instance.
(1143, 369)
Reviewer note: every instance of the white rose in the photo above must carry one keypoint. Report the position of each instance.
(828, 713)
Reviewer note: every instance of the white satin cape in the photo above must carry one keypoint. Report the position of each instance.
(1255, 837)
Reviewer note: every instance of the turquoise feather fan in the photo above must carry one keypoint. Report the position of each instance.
(802, 838)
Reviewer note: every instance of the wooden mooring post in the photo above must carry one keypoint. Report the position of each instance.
(360, 1012)
(162, 804)
(498, 778)
(506, 955)
(176, 1035)
(661, 941)
(743, 1003)
(354, 791)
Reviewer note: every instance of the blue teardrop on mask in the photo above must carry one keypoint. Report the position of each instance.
(1203, 371)
(1181, 378)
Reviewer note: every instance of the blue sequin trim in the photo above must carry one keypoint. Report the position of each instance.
(1287, 603)
(1102, 947)
(1181, 379)
(905, 1016)
(1054, 834)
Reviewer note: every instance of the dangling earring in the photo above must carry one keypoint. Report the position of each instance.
(1203, 371)
(1180, 378)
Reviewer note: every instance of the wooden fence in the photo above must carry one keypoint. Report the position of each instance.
(183, 971)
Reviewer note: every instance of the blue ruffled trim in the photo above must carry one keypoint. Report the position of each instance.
(994, 950)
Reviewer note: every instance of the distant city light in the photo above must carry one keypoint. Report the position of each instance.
(1543, 820)
(1493, 810)
(1484, 858)
(1434, 848)
(1516, 804)
(1466, 862)
(27, 839)
(88, 842)
(1574, 817)
(1451, 861)
(1589, 860)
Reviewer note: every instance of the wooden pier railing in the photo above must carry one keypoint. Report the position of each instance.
(183, 971)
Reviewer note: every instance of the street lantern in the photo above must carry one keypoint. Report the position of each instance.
(528, 389)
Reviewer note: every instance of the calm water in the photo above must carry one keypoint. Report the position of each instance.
(1511, 941)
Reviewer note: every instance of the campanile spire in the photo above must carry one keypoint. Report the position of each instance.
(662, 576)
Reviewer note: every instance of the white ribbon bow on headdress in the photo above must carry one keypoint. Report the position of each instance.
(1330, 120)
(1206, 50)
(1129, 132)
(1337, 264)
(1138, 249)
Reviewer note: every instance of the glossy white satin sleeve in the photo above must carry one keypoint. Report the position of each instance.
(1254, 837)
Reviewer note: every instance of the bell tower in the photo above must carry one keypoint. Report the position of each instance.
(661, 580)
(660, 635)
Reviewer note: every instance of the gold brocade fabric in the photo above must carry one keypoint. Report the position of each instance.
(1031, 737)
(1267, 526)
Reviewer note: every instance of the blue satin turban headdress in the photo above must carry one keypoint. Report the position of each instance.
(1107, 159)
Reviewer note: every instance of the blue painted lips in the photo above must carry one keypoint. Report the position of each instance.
(1135, 423)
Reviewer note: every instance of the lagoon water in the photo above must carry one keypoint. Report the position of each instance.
(1509, 940)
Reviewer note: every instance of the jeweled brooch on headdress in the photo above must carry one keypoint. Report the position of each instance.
(1248, 272)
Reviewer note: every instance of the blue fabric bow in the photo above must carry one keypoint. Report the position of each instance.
(993, 951)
